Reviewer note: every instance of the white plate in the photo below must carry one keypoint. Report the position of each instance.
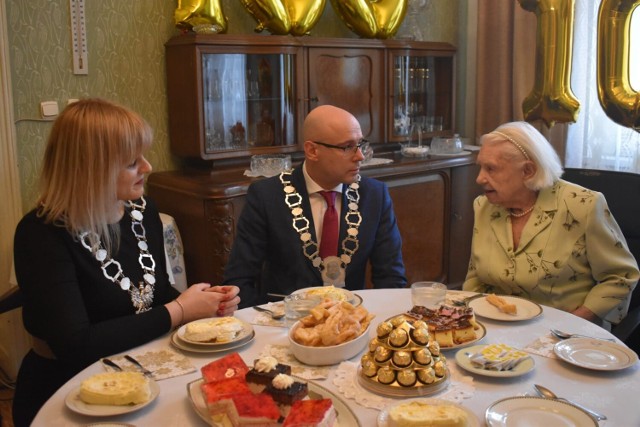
(354, 299)
(246, 331)
(74, 403)
(182, 345)
(443, 155)
(525, 411)
(346, 417)
(595, 354)
(463, 361)
(525, 309)
(383, 416)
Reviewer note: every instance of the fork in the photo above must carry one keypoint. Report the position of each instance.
(144, 370)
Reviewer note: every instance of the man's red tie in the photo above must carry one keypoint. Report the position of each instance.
(329, 241)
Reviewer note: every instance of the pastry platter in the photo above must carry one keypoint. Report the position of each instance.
(346, 417)
(74, 403)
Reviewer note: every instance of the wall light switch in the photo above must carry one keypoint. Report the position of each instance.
(49, 109)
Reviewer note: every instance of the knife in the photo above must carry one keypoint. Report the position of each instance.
(111, 363)
(144, 370)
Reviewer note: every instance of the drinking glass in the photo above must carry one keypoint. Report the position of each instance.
(297, 306)
(428, 294)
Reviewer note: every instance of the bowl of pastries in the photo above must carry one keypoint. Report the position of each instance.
(331, 333)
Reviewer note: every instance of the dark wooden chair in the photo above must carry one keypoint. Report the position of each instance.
(622, 191)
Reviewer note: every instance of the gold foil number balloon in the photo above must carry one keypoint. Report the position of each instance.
(618, 100)
(552, 99)
(371, 18)
(295, 17)
(200, 15)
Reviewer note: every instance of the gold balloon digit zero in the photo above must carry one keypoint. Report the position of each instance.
(617, 98)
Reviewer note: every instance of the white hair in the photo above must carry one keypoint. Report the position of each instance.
(532, 145)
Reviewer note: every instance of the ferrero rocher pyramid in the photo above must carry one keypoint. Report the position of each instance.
(403, 356)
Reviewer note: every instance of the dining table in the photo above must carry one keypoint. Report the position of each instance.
(613, 392)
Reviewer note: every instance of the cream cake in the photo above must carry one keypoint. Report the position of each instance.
(218, 330)
(116, 388)
(422, 414)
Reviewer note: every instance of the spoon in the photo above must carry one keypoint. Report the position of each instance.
(565, 335)
(274, 316)
(545, 392)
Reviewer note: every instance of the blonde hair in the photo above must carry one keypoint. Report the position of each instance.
(89, 144)
(528, 144)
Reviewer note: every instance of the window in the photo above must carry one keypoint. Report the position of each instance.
(595, 141)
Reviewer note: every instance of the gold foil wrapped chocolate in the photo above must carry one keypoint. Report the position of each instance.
(404, 357)
(407, 377)
(383, 329)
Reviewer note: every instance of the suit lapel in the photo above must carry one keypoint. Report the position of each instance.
(540, 219)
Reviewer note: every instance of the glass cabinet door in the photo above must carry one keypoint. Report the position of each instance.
(248, 101)
(422, 93)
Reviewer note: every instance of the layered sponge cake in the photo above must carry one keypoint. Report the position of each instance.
(229, 366)
(116, 388)
(244, 409)
(449, 326)
(311, 413)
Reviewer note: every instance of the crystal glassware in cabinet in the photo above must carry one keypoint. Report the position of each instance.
(229, 98)
(422, 94)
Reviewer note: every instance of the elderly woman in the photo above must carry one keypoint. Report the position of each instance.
(542, 238)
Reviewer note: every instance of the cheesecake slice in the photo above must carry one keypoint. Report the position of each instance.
(116, 388)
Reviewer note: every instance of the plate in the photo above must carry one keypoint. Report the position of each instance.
(526, 309)
(354, 299)
(346, 417)
(463, 361)
(183, 345)
(383, 416)
(395, 390)
(523, 411)
(74, 403)
(595, 354)
(443, 155)
(246, 331)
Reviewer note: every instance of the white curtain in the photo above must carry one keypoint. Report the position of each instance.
(595, 141)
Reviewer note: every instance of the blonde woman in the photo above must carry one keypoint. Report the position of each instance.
(90, 257)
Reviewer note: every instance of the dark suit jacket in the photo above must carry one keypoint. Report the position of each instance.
(267, 252)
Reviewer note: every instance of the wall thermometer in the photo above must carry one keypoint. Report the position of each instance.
(78, 37)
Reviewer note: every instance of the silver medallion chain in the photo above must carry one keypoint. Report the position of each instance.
(142, 295)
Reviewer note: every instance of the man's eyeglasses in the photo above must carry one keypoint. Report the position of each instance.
(363, 145)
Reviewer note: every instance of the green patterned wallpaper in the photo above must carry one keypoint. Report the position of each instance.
(126, 61)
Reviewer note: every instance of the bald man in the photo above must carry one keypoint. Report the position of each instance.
(280, 232)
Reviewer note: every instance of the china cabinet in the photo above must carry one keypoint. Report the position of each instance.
(234, 96)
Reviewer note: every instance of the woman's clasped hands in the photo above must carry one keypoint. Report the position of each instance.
(201, 300)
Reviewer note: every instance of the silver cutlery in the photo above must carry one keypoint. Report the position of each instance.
(564, 335)
(274, 316)
(111, 363)
(144, 370)
(545, 392)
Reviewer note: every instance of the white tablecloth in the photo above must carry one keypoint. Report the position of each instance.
(614, 393)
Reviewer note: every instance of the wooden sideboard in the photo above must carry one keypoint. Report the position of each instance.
(432, 200)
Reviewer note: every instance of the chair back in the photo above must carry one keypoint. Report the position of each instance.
(622, 191)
